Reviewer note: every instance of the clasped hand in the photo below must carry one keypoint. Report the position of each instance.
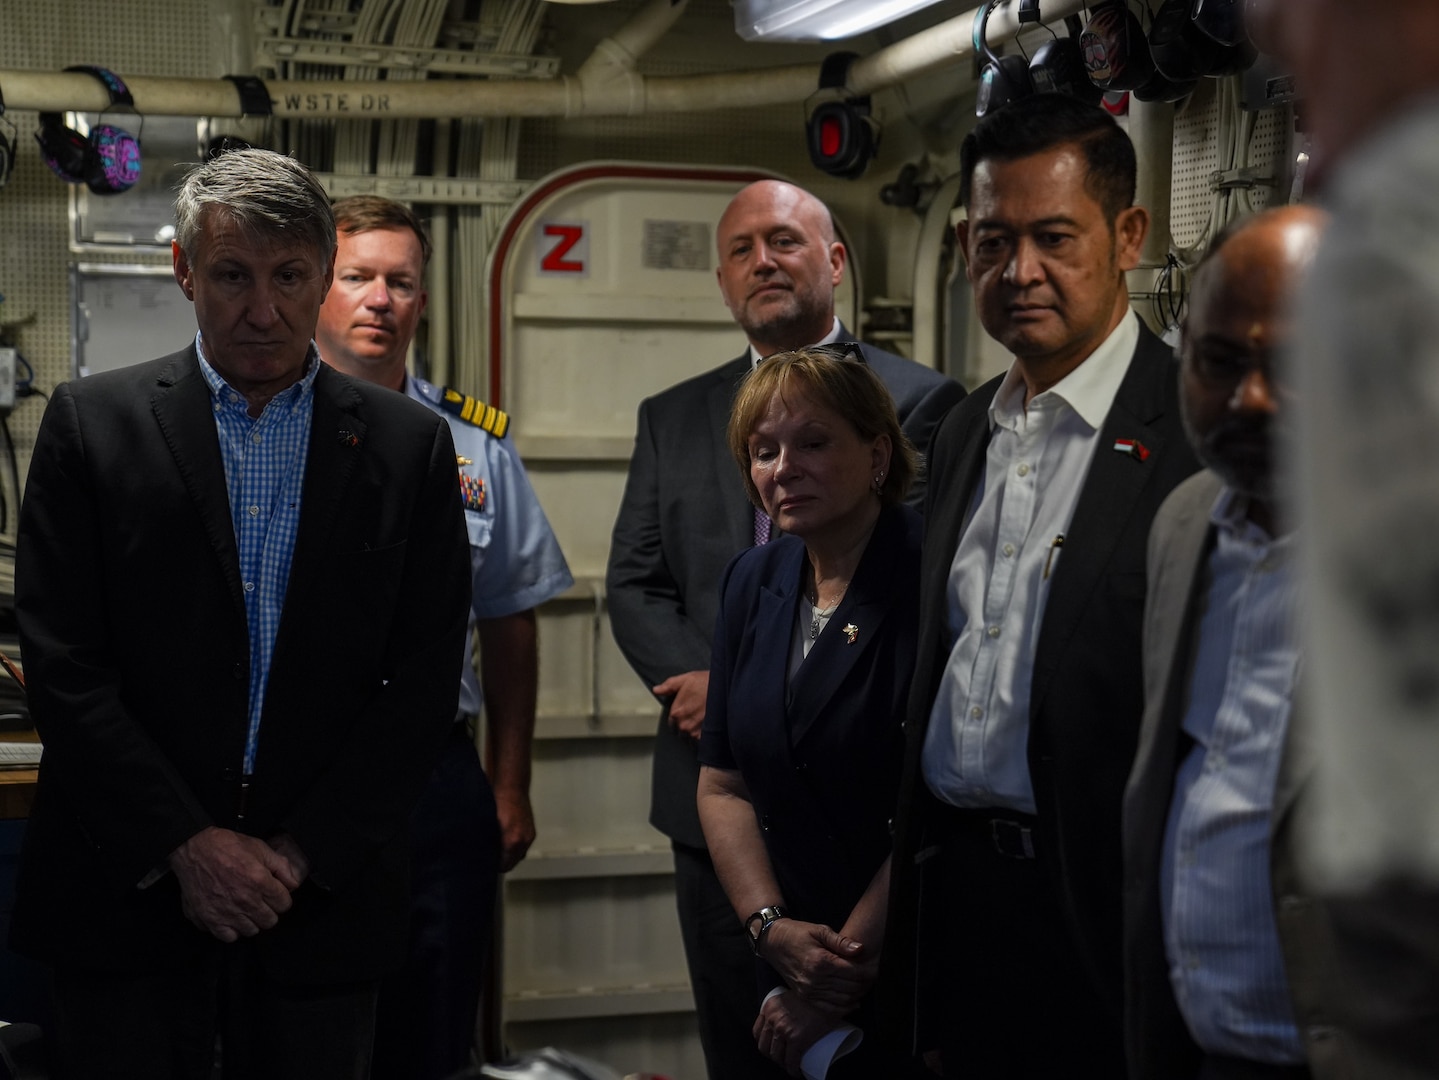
(233, 885)
(787, 1027)
(832, 973)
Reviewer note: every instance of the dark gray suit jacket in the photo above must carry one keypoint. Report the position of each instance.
(133, 631)
(683, 516)
(1157, 1042)
(1086, 693)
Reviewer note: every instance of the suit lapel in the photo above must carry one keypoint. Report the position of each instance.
(739, 514)
(183, 411)
(865, 605)
(337, 439)
(1101, 518)
(944, 516)
(1179, 599)
(774, 627)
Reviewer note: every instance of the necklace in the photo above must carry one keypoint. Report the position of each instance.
(819, 615)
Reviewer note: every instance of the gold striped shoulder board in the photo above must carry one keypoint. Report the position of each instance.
(476, 412)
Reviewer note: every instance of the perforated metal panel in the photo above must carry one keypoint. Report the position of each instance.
(138, 37)
(1195, 211)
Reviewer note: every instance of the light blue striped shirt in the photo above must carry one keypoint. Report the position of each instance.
(264, 473)
(1225, 962)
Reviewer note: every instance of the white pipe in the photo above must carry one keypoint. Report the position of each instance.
(946, 45)
(607, 80)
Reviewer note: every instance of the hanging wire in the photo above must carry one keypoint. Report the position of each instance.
(1168, 297)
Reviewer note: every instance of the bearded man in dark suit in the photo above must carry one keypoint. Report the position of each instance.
(683, 516)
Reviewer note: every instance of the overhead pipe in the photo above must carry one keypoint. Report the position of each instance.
(600, 88)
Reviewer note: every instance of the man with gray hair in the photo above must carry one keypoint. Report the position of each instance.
(241, 589)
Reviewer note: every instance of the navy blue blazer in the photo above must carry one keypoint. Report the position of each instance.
(821, 757)
(683, 517)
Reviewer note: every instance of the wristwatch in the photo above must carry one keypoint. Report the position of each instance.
(759, 923)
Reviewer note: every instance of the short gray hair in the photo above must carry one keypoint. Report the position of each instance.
(261, 191)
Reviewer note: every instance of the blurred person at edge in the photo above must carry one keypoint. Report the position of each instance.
(1364, 461)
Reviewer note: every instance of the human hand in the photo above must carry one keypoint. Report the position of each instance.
(830, 971)
(299, 864)
(787, 1027)
(232, 885)
(690, 690)
(517, 826)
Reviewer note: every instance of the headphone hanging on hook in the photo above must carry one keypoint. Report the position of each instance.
(1115, 50)
(1058, 66)
(107, 160)
(1004, 78)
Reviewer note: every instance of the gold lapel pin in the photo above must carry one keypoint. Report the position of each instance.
(850, 633)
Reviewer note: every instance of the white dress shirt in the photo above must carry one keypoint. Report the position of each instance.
(1039, 455)
(1220, 937)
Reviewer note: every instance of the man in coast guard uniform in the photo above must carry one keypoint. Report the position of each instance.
(466, 829)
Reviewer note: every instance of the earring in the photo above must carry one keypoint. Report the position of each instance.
(878, 483)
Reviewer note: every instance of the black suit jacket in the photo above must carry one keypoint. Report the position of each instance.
(819, 755)
(133, 631)
(1086, 690)
(683, 516)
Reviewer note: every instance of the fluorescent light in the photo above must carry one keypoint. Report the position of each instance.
(817, 20)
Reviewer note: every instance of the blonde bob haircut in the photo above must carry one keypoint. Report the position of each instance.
(845, 386)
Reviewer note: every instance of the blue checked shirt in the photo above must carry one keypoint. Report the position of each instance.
(264, 472)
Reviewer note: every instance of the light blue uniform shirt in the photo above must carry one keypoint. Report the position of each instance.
(1225, 961)
(515, 561)
(264, 460)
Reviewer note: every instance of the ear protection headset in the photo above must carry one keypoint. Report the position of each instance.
(1058, 67)
(107, 161)
(7, 147)
(1004, 78)
(1179, 50)
(1115, 52)
(1183, 51)
(1222, 20)
(842, 135)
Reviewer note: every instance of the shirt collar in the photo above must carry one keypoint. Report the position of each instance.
(221, 391)
(1230, 515)
(1089, 389)
(833, 336)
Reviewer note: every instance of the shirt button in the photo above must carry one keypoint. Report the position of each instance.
(254, 511)
(976, 712)
(1009, 551)
(249, 586)
(1023, 470)
(993, 631)
(255, 438)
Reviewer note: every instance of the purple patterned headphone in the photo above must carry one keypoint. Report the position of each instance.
(108, 159)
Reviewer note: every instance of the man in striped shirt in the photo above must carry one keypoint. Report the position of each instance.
(1227, 970)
